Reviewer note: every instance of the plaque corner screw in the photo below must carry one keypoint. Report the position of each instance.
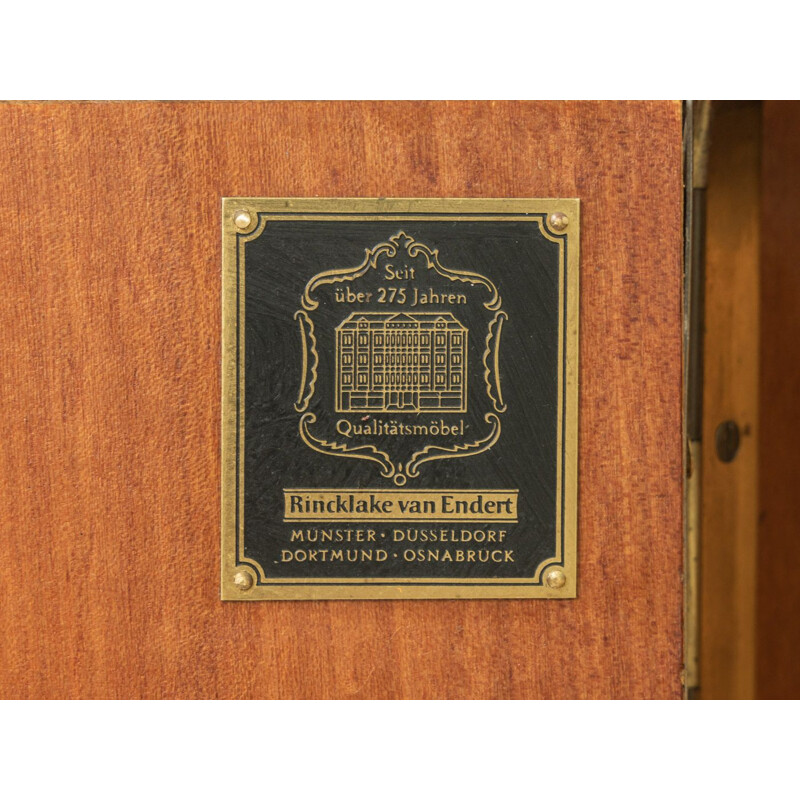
(243, 581)
(558, 221)
(242, 219)
(555, 578)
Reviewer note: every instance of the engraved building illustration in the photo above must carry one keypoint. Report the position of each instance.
(397, 361)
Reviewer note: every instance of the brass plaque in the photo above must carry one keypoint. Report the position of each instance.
(400, 398)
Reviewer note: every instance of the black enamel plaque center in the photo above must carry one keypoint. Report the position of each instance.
(400, 398)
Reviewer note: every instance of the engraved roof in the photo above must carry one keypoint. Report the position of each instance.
(385, 317)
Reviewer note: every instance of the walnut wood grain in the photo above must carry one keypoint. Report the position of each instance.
(109, 554)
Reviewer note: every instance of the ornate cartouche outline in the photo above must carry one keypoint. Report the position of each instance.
(399, 472)
(308, 379)
(366, 451)
(491, 362)
(390, 249)
(433, 452)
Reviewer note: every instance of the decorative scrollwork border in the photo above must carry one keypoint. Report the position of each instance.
(390, 249)
(397, 471)
(491, 362)
(432, 452)
(473, 278)
(348, 273)
(308, 378)
(367, 452)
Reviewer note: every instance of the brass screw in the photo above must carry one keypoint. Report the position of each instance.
(555, 579)
(242, 219)
(243, 581)
(558, 221)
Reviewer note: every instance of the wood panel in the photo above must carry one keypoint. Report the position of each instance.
(779, 484)
(729, 516)
(111, 401)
